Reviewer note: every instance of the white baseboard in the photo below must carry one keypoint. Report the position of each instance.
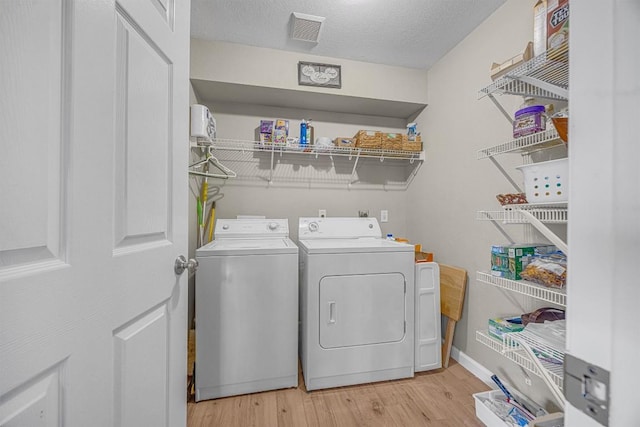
(472, 366)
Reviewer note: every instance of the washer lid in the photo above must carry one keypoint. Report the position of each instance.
(359, 245)
(259, 246)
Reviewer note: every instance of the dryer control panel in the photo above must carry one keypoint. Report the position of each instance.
(338, 228)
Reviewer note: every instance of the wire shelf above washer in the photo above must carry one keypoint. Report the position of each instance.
(322, 167)
(313, 151)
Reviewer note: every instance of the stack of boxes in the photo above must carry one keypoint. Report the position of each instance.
(508, 261)
(274, 131)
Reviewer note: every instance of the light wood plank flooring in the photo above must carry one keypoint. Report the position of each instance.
(438, 398)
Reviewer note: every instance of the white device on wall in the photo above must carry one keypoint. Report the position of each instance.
(203, 124)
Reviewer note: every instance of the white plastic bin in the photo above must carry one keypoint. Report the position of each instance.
(546, 182)
(483, 412)
(486, 415)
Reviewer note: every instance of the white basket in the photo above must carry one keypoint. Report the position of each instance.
(546, 182)
(486, 415)
(483, 413)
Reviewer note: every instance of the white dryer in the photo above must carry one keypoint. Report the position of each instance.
(356, 303)
(246, 309)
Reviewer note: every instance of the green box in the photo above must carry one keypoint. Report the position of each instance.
(509, 261)
(500, 326)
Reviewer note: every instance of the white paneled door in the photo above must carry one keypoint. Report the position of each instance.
(93, 212)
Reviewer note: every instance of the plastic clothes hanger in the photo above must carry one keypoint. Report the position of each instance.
(198, 168)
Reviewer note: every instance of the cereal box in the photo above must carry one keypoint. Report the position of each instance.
(280, 132)
(557, 25)
(266, 131)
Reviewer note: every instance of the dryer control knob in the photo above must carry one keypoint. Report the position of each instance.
(225, 227)
(273, 226)
(313, 226)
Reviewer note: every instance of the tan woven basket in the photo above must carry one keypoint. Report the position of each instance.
(392, 141)
(368, 139)
(411, 145)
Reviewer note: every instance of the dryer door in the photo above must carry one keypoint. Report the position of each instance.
(362, 309)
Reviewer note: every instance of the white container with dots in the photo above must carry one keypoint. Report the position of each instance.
(546, 182)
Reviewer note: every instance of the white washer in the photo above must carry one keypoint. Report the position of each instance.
(246, 309)
(356, 303)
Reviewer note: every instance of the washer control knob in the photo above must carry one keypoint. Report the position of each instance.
(313, 226)
(273, 226)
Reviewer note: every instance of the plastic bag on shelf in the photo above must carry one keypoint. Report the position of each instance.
(547, 270)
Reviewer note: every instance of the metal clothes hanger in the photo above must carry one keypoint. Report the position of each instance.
(204, 166)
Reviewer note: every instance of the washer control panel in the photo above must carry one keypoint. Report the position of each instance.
(250, 228)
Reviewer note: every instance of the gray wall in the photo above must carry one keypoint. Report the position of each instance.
(453, 185)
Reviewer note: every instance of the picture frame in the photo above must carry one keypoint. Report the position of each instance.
(320, 75)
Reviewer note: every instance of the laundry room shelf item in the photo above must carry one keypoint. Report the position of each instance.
(326, 166)
(453, 285)
(512, 351)
(542, 77)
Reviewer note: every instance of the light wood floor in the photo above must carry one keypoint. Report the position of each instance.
(438, 398)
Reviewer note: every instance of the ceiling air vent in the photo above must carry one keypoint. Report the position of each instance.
(306, 27)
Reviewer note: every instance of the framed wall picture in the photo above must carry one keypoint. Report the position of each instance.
(323, 75)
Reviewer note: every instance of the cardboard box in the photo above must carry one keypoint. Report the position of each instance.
(539, 27)
(266, 138)
(282, 125)
(423, 256)
(557, 26)
(498, 70)
(509, 261)
(266, 126)
(500, 326)
(265, 132)
(280, 132)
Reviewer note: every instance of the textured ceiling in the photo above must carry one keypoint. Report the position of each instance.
(407, 33)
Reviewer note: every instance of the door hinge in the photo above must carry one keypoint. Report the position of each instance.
(586, 386)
